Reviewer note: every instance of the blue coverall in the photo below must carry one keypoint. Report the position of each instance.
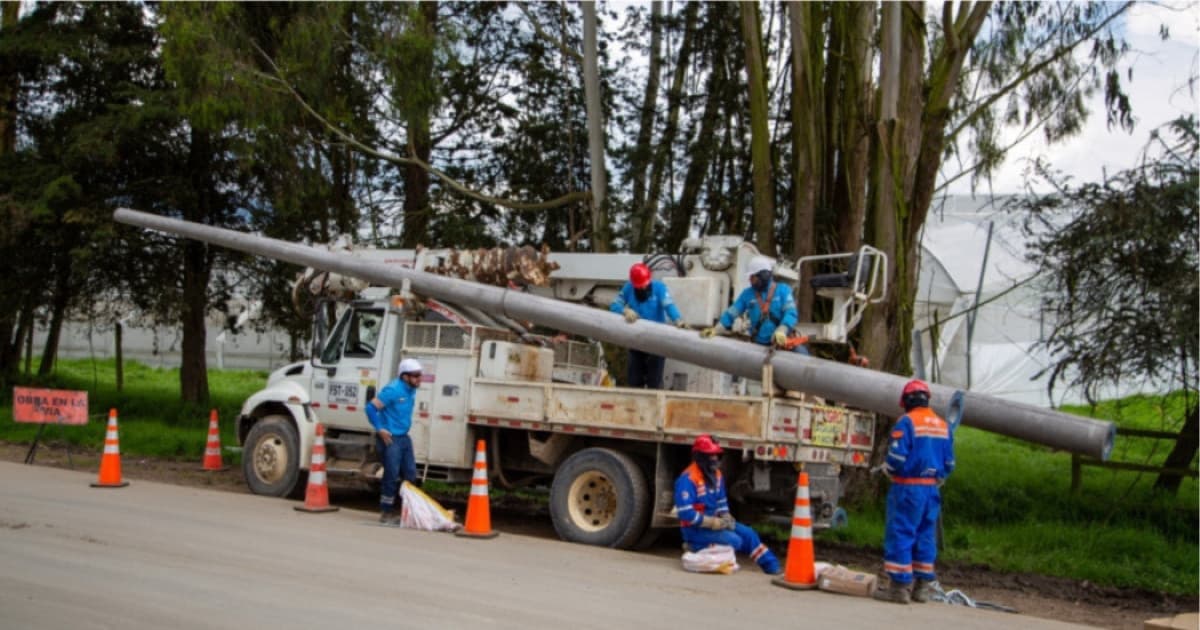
(399, 462)
(920, 456)
(780, 311)
(643, 369)
(694, 500)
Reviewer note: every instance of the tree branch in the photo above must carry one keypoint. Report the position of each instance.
(450, 182)
(1020, 79)
(558, 43)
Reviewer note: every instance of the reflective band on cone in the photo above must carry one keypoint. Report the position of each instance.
(316, 496)
(212, 450)
(800, 573)
(479, 514)
(110, 460)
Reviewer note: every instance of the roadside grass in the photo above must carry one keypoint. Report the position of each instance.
(1009, 506)
(151, 419)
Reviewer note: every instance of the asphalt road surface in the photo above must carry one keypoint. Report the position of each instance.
(163, 556)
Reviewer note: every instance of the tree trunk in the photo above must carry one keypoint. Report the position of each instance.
(666, 144)
(701, 152)
(197, 266)
(850, 189)
(58, 309)
(596, 141)
(1182, 453)
(760, 136)
(642, 149)
(417, 207)
(807, 101)
(9, 11)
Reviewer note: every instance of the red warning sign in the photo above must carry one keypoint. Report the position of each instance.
(49, 406)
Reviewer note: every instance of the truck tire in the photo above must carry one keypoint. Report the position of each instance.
(271, 458)
(600, 497)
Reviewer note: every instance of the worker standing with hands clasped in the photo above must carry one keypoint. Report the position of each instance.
(919, 458)
(769, 305)
(703, 508)
(390, 413)
(644, 298)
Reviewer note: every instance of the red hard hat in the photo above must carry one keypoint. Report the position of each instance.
(707, 445)
(639, 275)
(912, 387)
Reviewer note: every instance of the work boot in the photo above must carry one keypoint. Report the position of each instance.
(389, 518)
(924, 590)
(894, 592)
(769, 563)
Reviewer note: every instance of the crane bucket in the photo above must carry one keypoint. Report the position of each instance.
(857, 387)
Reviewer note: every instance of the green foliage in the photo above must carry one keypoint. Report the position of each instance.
(153, 421)
(1008, 505)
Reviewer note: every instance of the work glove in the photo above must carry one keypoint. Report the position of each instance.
(780, 337)
(630, 315)
(712, 522)
(679, 323)
(709, 332)
(728, 520)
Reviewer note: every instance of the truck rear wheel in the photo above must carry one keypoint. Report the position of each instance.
(271, 458)
(600, 497)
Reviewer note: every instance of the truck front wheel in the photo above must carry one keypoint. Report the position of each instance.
(600, 497)
(271, 458)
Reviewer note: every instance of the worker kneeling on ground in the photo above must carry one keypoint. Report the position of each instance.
(645, 298)
(919, 458)
(770, 307)
(703, 508)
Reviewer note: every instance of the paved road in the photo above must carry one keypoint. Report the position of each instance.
(160, 556)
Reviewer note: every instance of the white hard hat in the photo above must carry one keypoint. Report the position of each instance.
(759, 263)
(409, 365)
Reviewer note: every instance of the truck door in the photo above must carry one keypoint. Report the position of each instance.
(347, 367)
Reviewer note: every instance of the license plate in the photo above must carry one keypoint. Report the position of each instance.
(345, 393)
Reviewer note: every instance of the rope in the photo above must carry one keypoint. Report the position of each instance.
(958, 598)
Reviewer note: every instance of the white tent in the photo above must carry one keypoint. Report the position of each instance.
(1001, 357)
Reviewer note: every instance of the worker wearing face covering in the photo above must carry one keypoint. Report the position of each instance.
(768, 304)
(703, 508)
(645, 298)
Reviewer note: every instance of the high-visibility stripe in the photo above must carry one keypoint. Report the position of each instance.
(316, 477)
(915, 481)
(212, 451)
(111, 435)
(801, 532)
(923, 567)
(111, 449)
(478, 490)
(892, 567)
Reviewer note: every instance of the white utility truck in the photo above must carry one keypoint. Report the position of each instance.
(544, 404)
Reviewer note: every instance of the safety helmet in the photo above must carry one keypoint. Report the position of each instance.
(915, 386)
(409, 366)
(639, 275)
(706, 445)
(759, 263)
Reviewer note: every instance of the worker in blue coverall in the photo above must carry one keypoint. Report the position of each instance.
(644, 298)
(390, 413)
(920, 457)
(703, 508)
(770, 306)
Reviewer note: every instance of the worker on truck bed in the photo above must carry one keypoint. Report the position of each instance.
(644, 298)
(919, 458)
(770, 307)
(703, 508)
(390, 413)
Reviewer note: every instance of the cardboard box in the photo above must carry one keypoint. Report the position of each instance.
(839, 579)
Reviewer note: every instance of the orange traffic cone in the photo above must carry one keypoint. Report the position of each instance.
(212, 451)
(110, 461)
(316, 496)
(801, 572)
(479, 515)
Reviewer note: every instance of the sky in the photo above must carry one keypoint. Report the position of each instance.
(1158, 93)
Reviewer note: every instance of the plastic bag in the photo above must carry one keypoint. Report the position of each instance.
(421, 511)
(713, 559)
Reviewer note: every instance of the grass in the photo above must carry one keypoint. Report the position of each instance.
(152, 420)
(1008, 505)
